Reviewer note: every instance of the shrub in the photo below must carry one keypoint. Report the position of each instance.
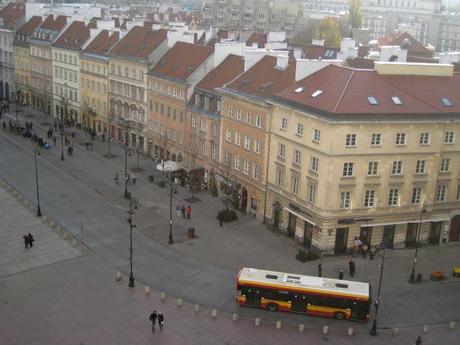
(228, 215)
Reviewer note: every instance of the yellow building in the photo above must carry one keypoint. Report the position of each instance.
(368, 154)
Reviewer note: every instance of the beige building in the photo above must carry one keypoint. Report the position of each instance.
(360, 153)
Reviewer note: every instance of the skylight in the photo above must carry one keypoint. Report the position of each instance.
(372, 100)
(316, 93)
(298, 90)
(396, 100)
(446, 101)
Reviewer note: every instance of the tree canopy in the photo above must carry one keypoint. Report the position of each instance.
(329, 31)
(355, 15)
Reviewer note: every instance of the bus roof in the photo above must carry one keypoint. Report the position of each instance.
(303, 282)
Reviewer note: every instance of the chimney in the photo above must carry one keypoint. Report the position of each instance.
(305, 67)
(282, 61)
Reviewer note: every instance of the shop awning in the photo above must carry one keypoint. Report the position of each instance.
(297, 214)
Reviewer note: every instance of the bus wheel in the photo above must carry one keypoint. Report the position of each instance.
(339, 316)
(272, 306)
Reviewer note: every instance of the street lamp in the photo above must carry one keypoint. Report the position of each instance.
(125, 124)
(417, 239)
(15, 96)
(131, 226)
(64, 103)
(373, 331)
(170, 240)
(39, 212)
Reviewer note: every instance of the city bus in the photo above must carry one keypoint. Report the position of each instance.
(339, 299)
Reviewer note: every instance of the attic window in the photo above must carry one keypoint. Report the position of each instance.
(446, 101)
(266, 84)
(396, 100)
(246, 82)
(372, 100)
(316, 93)
(298, 90)
(162, 62)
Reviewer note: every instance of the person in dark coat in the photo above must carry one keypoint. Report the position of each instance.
(372, 253)
(220, 216)
(341, 275)
(189, 211)
(352, 268)
(418, 341)
(161, 320)
(153, 318)
(26, 241)
(183, 211)
(31, 240)
(320, 270)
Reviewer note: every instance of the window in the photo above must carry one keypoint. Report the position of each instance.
(258, 121)
(376, 139)
(424, 139)
(400, 139)
(284, 123)
(345, 200)
(227, 158)
(229, 111)
(314, 163)
(280, 177)
(218, 105)
(348, 169)
(282, 150)
(245, 167)
(237, 162)
(445, 165)
(446, 101)
(297, 156)
(396, 100)
(441, 192)
(249, 118)
(416, 195)
(213, 151)
(237, 138)
(295, 184)
(255, 171)
(203, 125)
(311, 195)
(396, 169)
(299, 131)
(369, 198)
(247, 143)
(350, 140)
(372, 100)
(316, 135)
(257, 146)
(393, 197)
(206, 101)
(197, 100)
(373, 168)
(449, 138)
(229, 135)
(214, 128)
(420, 166)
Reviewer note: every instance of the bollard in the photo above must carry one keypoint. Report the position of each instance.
(350, 331)
(325, 329)
(235, 317)
(395, 331)
(452, 324)
(278, 324)
(179, 302)
(257, 322)
(147, 290)
(301, 328)
(214, 313)
(118, 278)
(197, 308)
(74, 242)
(66, 236)
(26, 203)
(425, 329)
(163, 296)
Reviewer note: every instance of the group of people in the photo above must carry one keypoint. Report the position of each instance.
(185, 212)
(28, 240)
(157, 316)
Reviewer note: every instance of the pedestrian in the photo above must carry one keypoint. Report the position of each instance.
(178, 211)
(128, 179)
(183, 211)
(372, 253)
(341, 275)
(189, 211)
(320, 270)
(87, 146)
(161, 320)
(153, 318)
(54, 141)
(418, 341)
(73, 135)
(352, 267)
(115, 178)
(365, 249)
(69, 151)
(4, 126)
(133, 178)
(31, 240)
(26, 241)
(220, 217)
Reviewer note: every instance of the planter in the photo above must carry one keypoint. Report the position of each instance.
(301, 258)
(437, 275)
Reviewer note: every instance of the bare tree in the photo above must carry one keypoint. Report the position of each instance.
(191, 163)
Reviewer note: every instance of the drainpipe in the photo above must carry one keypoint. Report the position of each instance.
(264, 221)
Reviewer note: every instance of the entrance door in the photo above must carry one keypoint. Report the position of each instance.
(299, 304)
(365, 235)
(454, 233)
(292, 225)
(388, 235)
(244, 199)
(411, 235)
(435, 233)
(276, 215)
(307, 234)
(341, 238)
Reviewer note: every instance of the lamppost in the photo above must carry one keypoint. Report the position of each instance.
(417, 239)
(15, 96)
(64, 109)
(170, 240)
(373, 331)
(125, 124)
(39, 212)
(131, 226)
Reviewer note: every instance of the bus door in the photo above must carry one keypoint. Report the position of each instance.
(253, 296)
(299, 304)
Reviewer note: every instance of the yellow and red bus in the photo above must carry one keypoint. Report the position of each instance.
(340, 299)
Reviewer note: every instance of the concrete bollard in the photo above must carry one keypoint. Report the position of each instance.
(395, 331)
(350, 331)
(235, 317)
(301, 328)
(162, 296)
(325, 329)
(179, 302)
(147, 290)
(452, 325)
(66, 236)
(44, 219)
(278, 324)
(74, 242)
(118, 277)
(257, 322)
(214, 313)
(425, 329)
(197, 308)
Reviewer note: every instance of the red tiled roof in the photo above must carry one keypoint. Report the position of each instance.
(50, 23)
(264, 79)
(360, 63)
(230, 68)
(74, 36)
(182, 60)
(314, 52)
(31, 25)
(345, 92)
(256, 37)
(12, 13)
(397, 39)
(139, 42)
(101, 44)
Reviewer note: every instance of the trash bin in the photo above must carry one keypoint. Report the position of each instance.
(151, 178)
(191, 233)
(419, 278)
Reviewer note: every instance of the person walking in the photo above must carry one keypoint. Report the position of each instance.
(352, 267)
(26, 241)
(418, 341)
(153, 318)
(183, 211)
(161, 320)
(372, 253)
(133, 178)
(178, 211)
(4, 125)
(320, 270)
(31, 240)
(54, 141)
(189, 211)
(341, 275)
(116, 179)
(220, 216)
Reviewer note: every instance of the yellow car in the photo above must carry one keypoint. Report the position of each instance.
(456, 272)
